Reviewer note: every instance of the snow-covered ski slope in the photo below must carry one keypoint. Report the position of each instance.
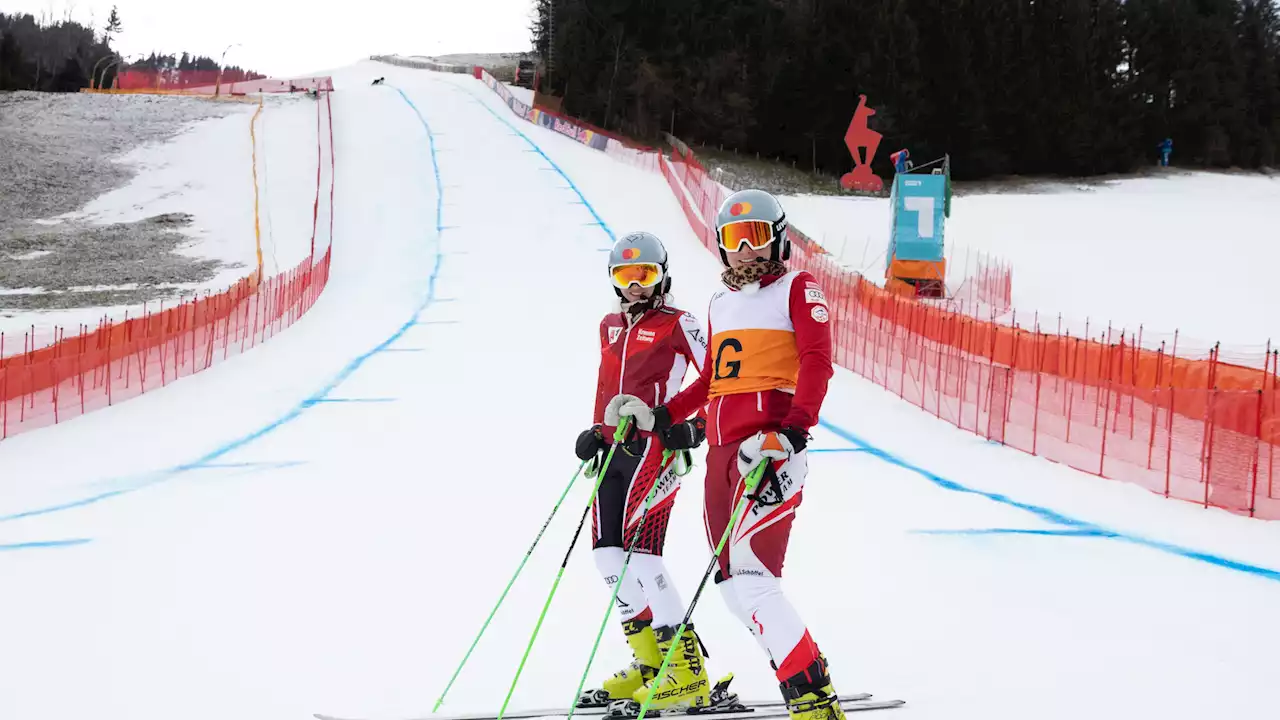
(322, 524)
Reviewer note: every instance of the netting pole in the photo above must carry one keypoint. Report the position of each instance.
(1084, 359)
(1061, 363)
(1035, 418)
(1119, 370)
(1102, 455)
(1257, 448)
(1271, 450)
(1105, 348)
(1206, 456)
(906, 329)
(938, 377)
(1155, 393)
(1133, 373)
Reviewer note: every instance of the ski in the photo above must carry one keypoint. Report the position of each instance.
(733, 706)
(759, 709)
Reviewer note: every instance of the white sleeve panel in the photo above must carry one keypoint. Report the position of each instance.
(696, 338)
(675, 379)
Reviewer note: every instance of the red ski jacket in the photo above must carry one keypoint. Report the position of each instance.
(647, 356)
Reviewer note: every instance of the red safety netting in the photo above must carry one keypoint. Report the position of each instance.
(1111, 409)
(118, 361)
(210, 82)
(1189, 427)
(43, 384)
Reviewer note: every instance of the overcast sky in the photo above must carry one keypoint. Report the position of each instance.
(294, 37)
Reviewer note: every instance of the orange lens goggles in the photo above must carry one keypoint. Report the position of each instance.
(758, 234)
(642, 274)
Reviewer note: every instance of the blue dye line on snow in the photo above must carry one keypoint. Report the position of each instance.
(536, 148)
(252, 465)
(300, 408)
(837, 450)
(65, 506)
(435, 165)
(1067, 532)
(39, 544)
(1052, 516)
(356, 400)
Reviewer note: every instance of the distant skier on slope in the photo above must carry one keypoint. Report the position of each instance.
(645, 349)
(766, 376)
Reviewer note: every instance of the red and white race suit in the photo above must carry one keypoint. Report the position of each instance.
(768, 366)
(645, 356)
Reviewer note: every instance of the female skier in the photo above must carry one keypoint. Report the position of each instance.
(645, 349)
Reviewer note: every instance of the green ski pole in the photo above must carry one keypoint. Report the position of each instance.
(751, 481)
(618, 438)
(506, 590)
(635, 538)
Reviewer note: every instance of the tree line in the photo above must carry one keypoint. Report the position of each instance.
(1058, 87)
(60, 55)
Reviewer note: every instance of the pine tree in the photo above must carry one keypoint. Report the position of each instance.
(114, 26)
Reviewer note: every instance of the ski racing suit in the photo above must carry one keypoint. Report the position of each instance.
(645, 356)
(767, 369)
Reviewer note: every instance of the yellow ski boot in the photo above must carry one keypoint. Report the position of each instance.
(810, 696)
(684, 685)
(644, 665)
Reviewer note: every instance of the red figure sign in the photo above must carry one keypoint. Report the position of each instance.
(859, 136)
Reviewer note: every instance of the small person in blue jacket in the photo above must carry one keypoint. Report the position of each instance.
(900, 164)
(1166, 149)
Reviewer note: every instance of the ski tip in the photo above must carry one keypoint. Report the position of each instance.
(871, 705)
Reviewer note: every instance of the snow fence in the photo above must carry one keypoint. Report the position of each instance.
(1191, 428)
(95, 367)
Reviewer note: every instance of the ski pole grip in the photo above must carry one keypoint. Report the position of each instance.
(757, 473)
(620, 434)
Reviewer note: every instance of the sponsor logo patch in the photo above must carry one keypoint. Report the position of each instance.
(646, 336)
(819, 313)
(814, 295)
(614, 334)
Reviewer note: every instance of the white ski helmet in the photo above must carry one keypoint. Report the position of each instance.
(754, 206)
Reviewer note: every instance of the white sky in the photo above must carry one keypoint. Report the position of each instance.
(294, 37)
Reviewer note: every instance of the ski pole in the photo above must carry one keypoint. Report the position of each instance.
(635, 538)
(618, 438)
(506, 590)
(750, 482)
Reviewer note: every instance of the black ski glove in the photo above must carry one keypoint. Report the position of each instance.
(684, 436)
(590, 442)
(661, 420)
(799, 438)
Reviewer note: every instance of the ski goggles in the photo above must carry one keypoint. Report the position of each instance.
(756, 234)
(643, 274)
